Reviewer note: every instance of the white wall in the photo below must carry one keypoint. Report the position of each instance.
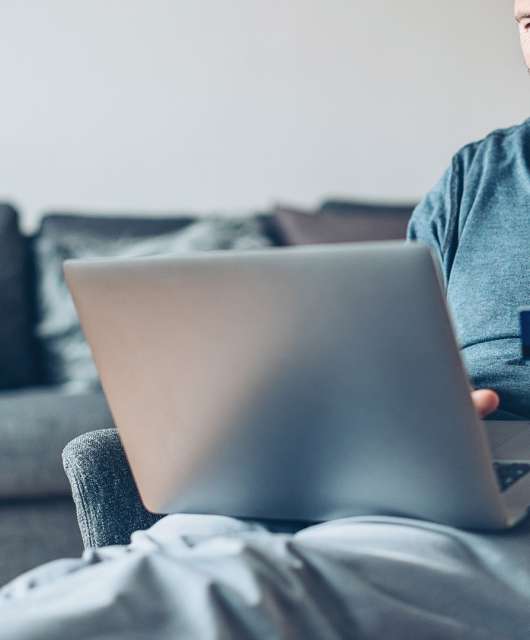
(231, 104)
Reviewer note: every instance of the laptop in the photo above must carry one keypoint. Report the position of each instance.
(300, 384)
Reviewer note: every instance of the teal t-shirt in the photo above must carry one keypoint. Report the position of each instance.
(477, 220)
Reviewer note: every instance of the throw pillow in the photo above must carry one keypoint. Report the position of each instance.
(66, 354)
(359, 224)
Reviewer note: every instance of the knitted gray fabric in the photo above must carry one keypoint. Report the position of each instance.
(108, 505)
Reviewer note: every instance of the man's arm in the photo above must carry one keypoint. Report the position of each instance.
(433, 223)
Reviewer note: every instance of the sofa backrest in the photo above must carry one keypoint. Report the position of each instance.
(21, 360)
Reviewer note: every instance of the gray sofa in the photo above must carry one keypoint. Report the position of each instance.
(42, 408)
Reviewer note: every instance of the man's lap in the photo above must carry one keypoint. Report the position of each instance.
(199, 576)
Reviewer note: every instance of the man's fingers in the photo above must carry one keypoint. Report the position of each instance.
(486, 401)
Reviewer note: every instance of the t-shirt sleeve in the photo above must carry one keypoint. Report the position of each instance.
(433, 220)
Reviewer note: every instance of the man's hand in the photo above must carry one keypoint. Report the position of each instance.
(486, 401)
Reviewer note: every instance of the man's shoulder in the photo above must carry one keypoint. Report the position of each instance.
(499, 142)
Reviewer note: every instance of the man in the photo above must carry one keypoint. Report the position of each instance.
(477, 219)
(202, 577)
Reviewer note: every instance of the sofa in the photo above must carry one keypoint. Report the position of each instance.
(45, 400)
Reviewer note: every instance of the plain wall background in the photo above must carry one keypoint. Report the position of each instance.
(232, 104)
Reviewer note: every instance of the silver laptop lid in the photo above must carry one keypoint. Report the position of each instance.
(304, 383)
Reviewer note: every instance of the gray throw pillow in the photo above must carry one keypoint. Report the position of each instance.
(67, 357)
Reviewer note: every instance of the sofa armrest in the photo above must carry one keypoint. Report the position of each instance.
(108, 505)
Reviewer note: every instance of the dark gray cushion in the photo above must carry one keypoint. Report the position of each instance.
(35, 425)
(108, 505)
(359, 223)
(18, 363)
(66, 355)
(373, 221)
(358, 207)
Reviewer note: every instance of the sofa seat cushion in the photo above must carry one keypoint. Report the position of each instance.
(35, 425)
(33, 532)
